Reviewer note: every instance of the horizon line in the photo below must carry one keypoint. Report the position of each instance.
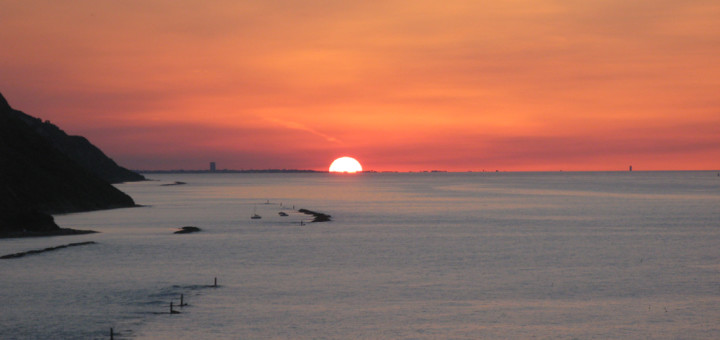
(271, 170)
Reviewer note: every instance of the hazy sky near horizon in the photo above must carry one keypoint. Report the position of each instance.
(399, 85)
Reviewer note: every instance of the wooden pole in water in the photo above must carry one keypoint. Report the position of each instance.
(181, 301)
(171, 309)
(215, 285)
(111, 334)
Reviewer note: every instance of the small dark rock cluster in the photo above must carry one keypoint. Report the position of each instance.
(187, 230)
(175, 183)
(318, 217)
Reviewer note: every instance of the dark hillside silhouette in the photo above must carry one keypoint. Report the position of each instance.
(36, 179)
(78, 148)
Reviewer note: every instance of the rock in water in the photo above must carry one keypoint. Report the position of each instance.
(318, 216)
(187, 230)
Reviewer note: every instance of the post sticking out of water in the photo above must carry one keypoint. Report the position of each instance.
(631, 168)
(181, 301)
(112, 334)
(215, 285)
(173, 311)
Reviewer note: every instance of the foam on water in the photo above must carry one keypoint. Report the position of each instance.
(437, 255)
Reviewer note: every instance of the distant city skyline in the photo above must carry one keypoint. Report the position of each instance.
(401, 86)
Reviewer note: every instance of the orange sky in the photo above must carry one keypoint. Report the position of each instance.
(399, 85)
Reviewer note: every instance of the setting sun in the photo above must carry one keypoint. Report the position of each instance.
(345, 164)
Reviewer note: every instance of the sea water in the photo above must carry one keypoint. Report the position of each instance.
(406, 256)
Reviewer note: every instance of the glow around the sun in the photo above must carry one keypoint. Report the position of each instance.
(346, 164)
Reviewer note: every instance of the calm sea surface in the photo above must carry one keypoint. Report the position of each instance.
(406, 256)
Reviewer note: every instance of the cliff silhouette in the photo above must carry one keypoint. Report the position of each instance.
(78, 148)
(38, 178)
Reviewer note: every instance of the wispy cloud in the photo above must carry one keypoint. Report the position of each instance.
(298, 126)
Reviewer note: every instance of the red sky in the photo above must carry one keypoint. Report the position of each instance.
(399, 85)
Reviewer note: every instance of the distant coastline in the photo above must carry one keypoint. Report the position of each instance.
(230, 171)
(271, 171)
(182, 171)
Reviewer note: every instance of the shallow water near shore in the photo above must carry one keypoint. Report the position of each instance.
(409, 256)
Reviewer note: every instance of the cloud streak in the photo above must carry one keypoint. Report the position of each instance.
(301, 127)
